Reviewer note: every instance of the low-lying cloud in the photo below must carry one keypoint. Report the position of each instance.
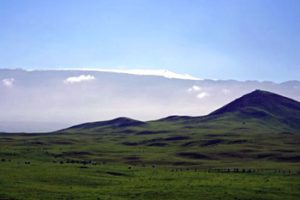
(78, 79)
(8, 82)
(199, 91)
(194, 88)
(225, 91)
(202, 95)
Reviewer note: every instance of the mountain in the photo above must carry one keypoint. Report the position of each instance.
(254, 111)
(263, 101)
(258, 130)
(121, 122)
(265, 106)
(74, 96)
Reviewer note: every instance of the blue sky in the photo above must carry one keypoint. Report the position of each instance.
(222, 39)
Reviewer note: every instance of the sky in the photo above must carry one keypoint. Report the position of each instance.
(49, 100)
(220, 39)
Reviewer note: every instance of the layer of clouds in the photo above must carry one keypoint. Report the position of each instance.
(78, 79)
(45, 99)
(142, 72)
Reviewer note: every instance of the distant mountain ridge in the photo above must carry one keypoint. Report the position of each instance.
(270, 102)
(267, 108)
(120, 122)
(264, 105)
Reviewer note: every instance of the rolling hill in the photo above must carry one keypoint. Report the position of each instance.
(257, 126)
(258, 109)
(251, 145)
(265, 106)
(120, 122)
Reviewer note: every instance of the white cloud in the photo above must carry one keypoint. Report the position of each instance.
(144, 72)
(8, 82)
(202, 95)
(160, 72)
(199, 91)
(194, 88)
(78, 79)
(226, 91)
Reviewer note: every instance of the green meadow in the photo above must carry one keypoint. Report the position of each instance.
(239, 152)
(158, 161)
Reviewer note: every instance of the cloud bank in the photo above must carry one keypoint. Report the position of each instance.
(78, 79)
(44, 100)
(140, 72)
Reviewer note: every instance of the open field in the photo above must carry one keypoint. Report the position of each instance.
(144, 164)
(242, 152)
(44, 180)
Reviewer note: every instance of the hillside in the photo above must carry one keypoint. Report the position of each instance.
(256, 110)
(262, 107)
(121, 122)
(265, 101)
(235, 146)
(258, 126)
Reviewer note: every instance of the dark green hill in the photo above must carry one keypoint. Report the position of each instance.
(264, 106)
(250, 145)
(121, 122)
(258, 109)
(267, 102)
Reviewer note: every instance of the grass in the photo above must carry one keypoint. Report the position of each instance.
(159, 161)
(41, 180)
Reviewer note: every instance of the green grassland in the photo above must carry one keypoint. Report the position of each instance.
(249, 149)
(159, 160)
(44, 180)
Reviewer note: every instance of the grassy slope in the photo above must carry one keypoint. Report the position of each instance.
(175, 158)
(161, 160)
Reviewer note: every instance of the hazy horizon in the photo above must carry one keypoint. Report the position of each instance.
(47, 100)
